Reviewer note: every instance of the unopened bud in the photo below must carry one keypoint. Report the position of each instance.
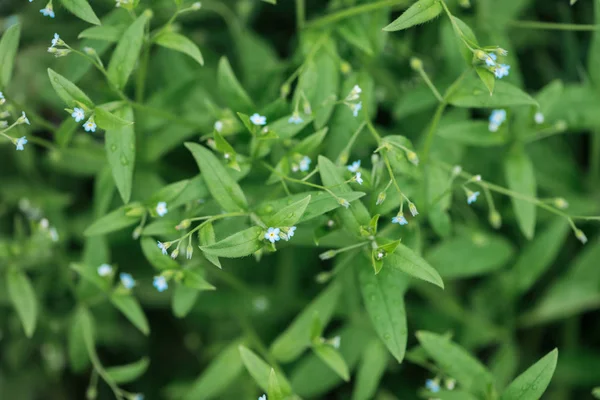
(137, 232)
(344, 203)
(560, 125)
(189, 251)
(285, 90)
(495, 219)
(175, 253)
(183, 224)
(89, 50)
(561, 203)
(327, 255)
(380, 198)
(345, 67)
(412, 157)
(196, 6)
(416, 63)
(413, 209)
(581, 236)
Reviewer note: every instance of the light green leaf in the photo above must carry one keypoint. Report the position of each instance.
(65, 132)
(231, 90)
(384, 302)
(68, 91)
(260, 371)
(532, 384)
(22, 297)
(420, 12)
(114, 221)
(456, 362)
(120, 151)
(220, 184)
(227, 150)
(239, 244)
(333, 359)
(129, 372)
(470, 255)
(520, 177)
(274, 390)
(193, 278)
(155, 256)
(104, 32)
(130, 307)
(290, 215)
(184, 298)
(370, 371)
(82, 9)
(180, 43)
(206, 236)
(296, 338)
(596, 392)
(487, 77)
(109, 121)
(405, 260)
(218, 376)
(167, 194)
(8, 50)
(471, 92)
(127, 52)
(472, 133)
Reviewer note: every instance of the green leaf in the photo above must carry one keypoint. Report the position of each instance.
(333, 359)
(355, 33)
(218, 376)
(175, 41)
(456, 362)
(385, 305)
(127, 52)
(370, 371)
(520, 177)
(220, 184)
(470, 255)
(8, 50)
(184, 298)
(78, 356)
(290, 215)
(405, 260)
(532, 384)
(128, 372)
(239, 244)
(90, 274)
(68, 91)
(596, 392)
(193, 278)
(316, 329)
(206, 236)
(227, 150)
(154, 255)
(471, 92)
(104, 32)
(65, 132)
(22, 297)
(120, 151)
(356, 215)
(114, 221)
(167, 194)
(231, 90)
(274, 390)
(472, 133)
(285, 130)
(109, 121)
(130, 307)
(296, 338)
(487, 77)
(260, 371)
(420, 12)
(82, 9)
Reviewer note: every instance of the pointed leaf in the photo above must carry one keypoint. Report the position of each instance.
(239, 244)
(130, 307)
(260, 371)
(532, 384)
(8, 50)
(206, 236)
(129, 372)
(333, 359)
(180, 43)
(370, 371)
(405, 260)
(113, 221)
(290, 215)
(120, 151)
(471, 92)
(109, 121)
(420, 12)
(184, 299)
(68, 91)
(82, 9)
(22, 297)
(230, 88)
(520, 177)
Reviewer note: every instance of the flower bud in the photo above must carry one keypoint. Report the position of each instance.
(412, 157)
(196, 6)
(343, 202)
(137, 232)
(189, 251)
(561, 203)
(183, 224)
(495, 219)
(284, 90)
(413, 209)
(581, 236)
(327, 255)
(416, 63)
(175, 253)
(380, 198)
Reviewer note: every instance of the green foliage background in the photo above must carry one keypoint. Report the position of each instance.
(243, 317)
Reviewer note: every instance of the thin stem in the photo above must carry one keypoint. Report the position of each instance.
(300, 14)
(431, 132)
(350, 12)
(553, 26)
(430, 84)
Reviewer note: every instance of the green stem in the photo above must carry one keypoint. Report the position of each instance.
(431, 132)
(430, 84)
(350, 12)
(300, 14)
(553, 26)
(595, 158)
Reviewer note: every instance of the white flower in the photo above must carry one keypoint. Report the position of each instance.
(3, 124)
(53, 234)
(399, 219)
(356, 108)
(20, 142)
(23, 119)
(272, 235)
(90, 125)
(295, 119)
(335, 342)
(258, 119)
(196, 6)
(218, 126)
(161, 209)
(305, 164)
(354, 93)
(105, 270)
(48, 11)
(44, 223)
(160, 283)
(290, 233)
(472, 197)
(413, 209)
(358, 179)
(263, 397)
(354, 166)
(501, 71)
(539, 118)
(163, 247)
(56, 41)
(78, 114)
(2, 99)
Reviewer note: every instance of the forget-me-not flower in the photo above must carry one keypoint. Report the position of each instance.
(163, 247)
(538, 118)
(161, 209)
(399, 219)
(160, 283)
(354, 93)
(356, 108)
(497, 118)
(2, 99)
(501, 70)
(290, 232)
(218, 126)
(490, 60)
(305, 163)
(335, 342)
(127, 280)
(48, 11)
(432, 385)
(295, 119)
(272, 235)
(20, 143)
(23, 119)
(258, 119)
(56, 40)
(472, 197)
(78, 114)
(105, 270)
(263, 397)
(358, 179)
(90, 125)
(354, 166)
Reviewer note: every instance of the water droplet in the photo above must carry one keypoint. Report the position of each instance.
(55, 79)
(124, 160)
(387, 336)
(113, 148)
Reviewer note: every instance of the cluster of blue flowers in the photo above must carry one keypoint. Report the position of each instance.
(499, 70)
(275, 234)
(497, 118)
(106, 270)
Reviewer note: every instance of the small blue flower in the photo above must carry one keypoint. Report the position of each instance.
(305, 164)
(399, 219)
(490, 61)
(539, 118)
(272, 235)
(432, 385)
(2, 99)
(23, 119)
(358, 179)
(263, 397)
(127, 280)
(138, 396)
(161, 209)
(291, 231)
(472, 197)
(22, 141)
(497, 118)
(163, 247)
(105, 270)
(258, 119)
(48, 11)
(90, 125)
(78, 114)
(354, 166)
(295, 119)
(356, 108)
(160, 283)
(501, 71)
(218, 126)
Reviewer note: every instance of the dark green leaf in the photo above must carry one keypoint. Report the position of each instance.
(113, 221)
(22, 297)
(290, 215)
(230, 88)
(129, 372)
(239, 244)
(184, 298)
(420, 12)
(206, 236)
(405, 260)
(260, 371)
(130, 307)
(82, 9)
(520, 177)
(471, 92)
(8, 50)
